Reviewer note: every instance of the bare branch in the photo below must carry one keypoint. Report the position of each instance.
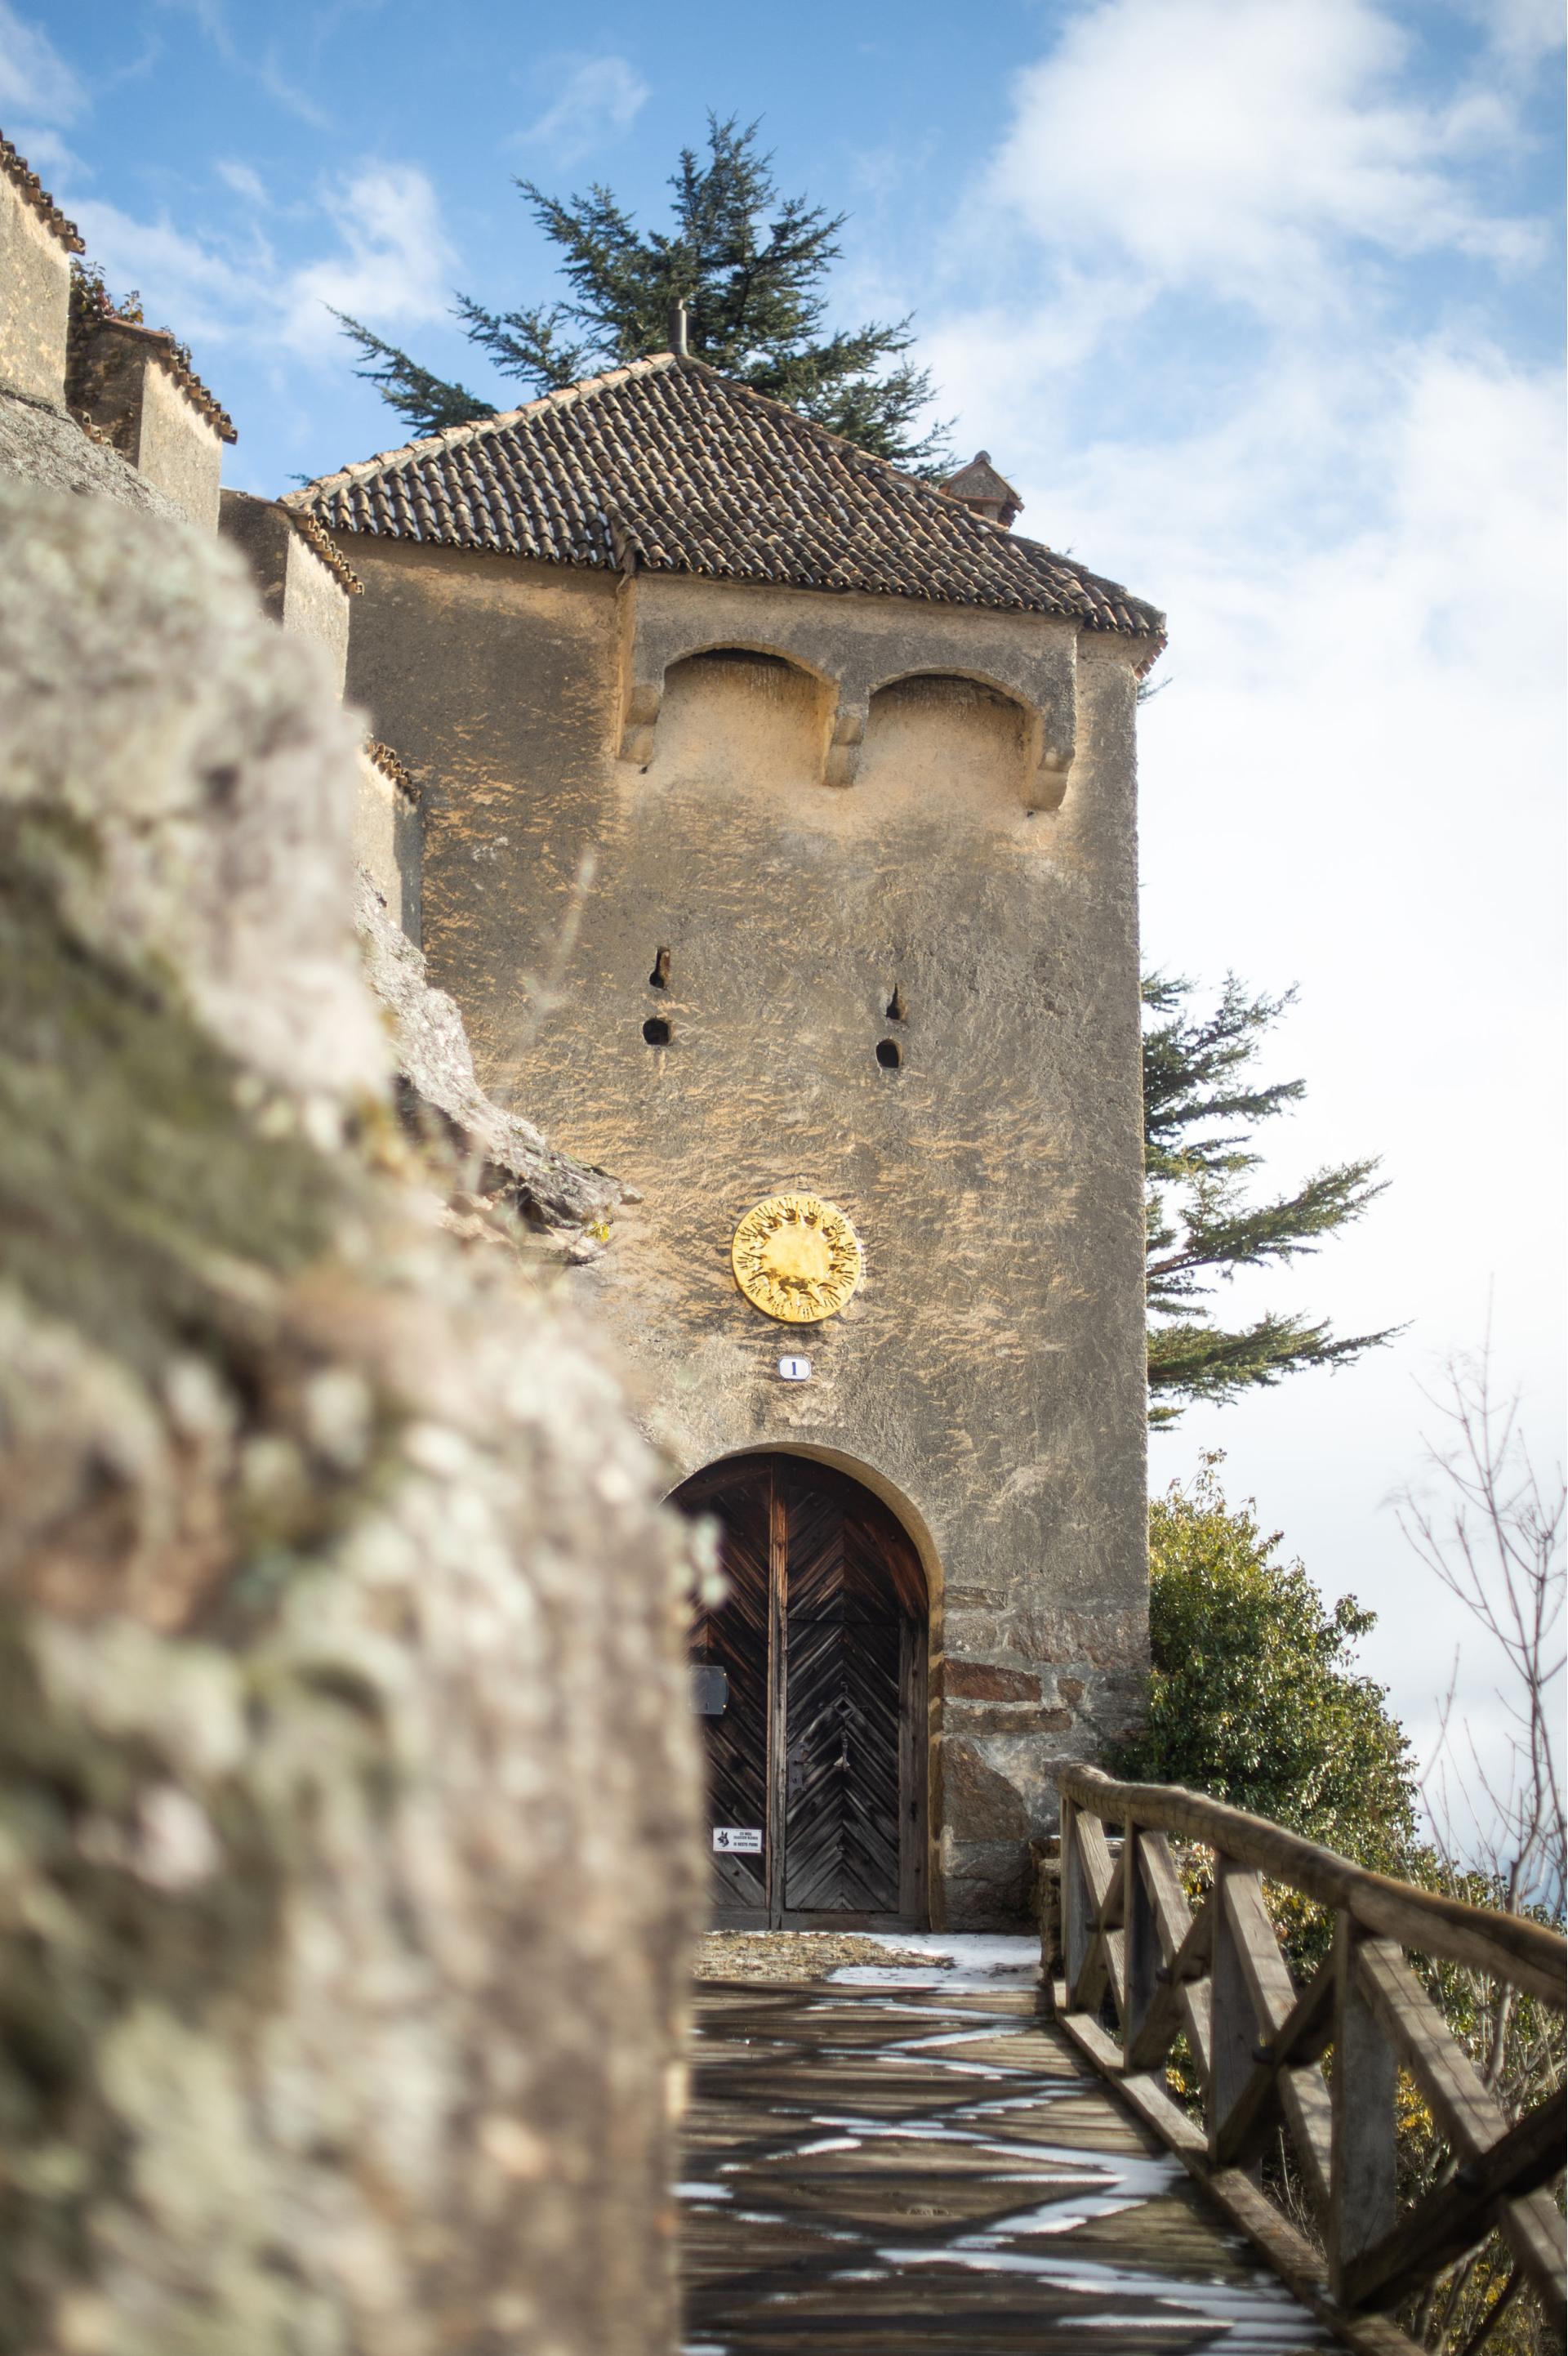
(1495, 1543)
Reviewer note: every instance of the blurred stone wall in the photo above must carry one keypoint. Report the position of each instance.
(347, 1794)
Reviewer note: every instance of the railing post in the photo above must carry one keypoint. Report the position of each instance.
(1233, 2022)
(1142, 1952)
(1363, 2204)
(1075, 1907)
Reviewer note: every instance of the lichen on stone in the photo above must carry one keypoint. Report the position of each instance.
(348, 1788)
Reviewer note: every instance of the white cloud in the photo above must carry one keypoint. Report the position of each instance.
(1354, 784)
(394, 264)
(1522, 31)
(185, 283)
(35, 81)
(245, 181)
(388, 262)
(212, 21)
(1230, 144)
(595, 98)
(1349, 494)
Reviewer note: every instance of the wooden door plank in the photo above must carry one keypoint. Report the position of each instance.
(733, 1636)
(778, 1679)
(844, 1835)
(915, 1745)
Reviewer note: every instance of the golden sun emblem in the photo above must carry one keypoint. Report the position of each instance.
(797, 1259)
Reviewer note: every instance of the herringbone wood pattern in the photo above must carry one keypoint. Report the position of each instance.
(841, 1809)
(816, 1674)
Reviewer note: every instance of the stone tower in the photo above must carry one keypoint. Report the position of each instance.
(781, 850)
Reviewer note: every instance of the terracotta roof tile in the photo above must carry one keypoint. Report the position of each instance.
(381, 757)
(669, 466)
(174, 361)
(18, 172)
(316, 538)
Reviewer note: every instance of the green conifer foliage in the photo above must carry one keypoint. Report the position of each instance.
(1201, 1106)
(749, 266)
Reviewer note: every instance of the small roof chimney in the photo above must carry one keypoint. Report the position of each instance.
(984, 492)
(677, 326)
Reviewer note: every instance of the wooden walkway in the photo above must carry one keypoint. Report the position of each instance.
(925, 2171)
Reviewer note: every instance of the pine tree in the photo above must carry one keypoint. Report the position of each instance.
(749, 266)
(1201, 1106)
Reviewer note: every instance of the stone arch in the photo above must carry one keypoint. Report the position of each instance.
(952, 734)
(742, 714)
(897, 1500)
(766, 650)
(813, 1677)
(1008, 689)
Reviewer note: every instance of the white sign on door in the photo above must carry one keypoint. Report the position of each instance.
(737, 1840)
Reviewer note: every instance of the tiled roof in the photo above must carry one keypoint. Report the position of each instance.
(668, 465)
(381, 757)
(174, 359)
(314, 536)
(979, 480)
(18, 172)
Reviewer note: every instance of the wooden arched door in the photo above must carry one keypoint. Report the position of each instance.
(810, 1682)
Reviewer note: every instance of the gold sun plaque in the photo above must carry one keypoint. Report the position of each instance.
(797, 1259)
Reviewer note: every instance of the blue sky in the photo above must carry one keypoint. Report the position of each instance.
(1258, 302)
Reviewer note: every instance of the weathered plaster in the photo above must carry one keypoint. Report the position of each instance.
(35, 299)
(297, 589)
(853, 646)
(988, 1375)
(177, 449)
(130, 395)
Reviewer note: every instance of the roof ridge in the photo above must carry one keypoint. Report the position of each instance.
(696, 472)
(171, 355)
(857, 452)
(453, 437)
(15, 168)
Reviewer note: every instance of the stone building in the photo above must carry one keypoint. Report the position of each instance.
(351, 1791)
(780, 851)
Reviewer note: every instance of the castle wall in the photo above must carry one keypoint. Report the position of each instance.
(988, 1378)
(297, 589)
(34, 298)
(135, 385)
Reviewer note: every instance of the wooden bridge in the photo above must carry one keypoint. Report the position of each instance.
(971, 2170)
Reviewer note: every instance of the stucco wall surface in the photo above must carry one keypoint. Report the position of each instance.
(35, 300)
(296, 587)
(988, 1375)
(178, 450)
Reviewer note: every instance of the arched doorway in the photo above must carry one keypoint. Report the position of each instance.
(810, 1680)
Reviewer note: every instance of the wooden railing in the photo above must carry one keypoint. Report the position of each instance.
(1136, 1955)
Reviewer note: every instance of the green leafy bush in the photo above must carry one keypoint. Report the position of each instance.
(1254, 1693)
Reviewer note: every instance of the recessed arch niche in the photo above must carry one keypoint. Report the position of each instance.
(952, 739)
(743, 716)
